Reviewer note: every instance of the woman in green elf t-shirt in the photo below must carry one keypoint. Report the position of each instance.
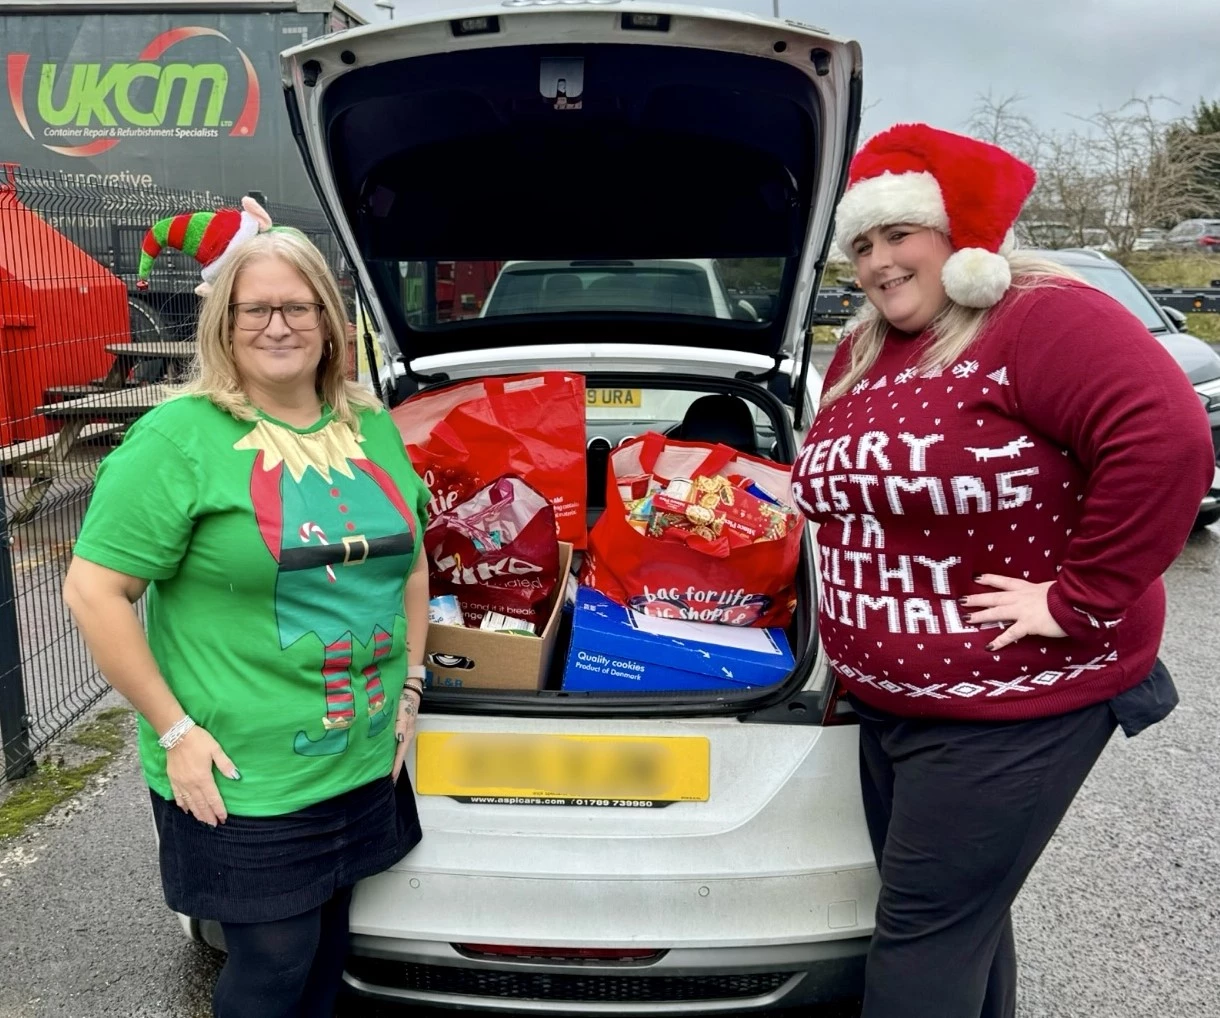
(273, 517)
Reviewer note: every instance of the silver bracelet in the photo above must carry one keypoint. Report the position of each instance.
(176, 731)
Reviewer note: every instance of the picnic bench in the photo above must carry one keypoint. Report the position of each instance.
(105, 411)
(177, 357)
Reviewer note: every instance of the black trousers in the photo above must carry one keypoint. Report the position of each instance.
(285, 968)
(958, 814)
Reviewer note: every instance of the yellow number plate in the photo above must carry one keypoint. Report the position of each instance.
(626, 398)
(562, 770)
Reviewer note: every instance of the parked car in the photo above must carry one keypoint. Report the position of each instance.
(1198, 360)
(1149, 240)
(1201, 236)
(680, 286)
(701, 134)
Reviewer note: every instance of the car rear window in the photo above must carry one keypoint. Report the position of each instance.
(602, 288)
(436, 293)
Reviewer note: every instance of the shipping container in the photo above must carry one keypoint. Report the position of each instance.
(178, 93)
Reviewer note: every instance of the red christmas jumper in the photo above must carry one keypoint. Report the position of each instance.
(1066, 445)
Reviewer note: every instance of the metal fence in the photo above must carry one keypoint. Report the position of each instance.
(83, 353)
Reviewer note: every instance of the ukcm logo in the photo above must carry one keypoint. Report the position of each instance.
(98, 103)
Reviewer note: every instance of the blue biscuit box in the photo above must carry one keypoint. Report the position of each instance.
(615, 650)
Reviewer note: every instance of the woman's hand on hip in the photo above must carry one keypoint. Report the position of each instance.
(189, 767)
(404, 727)
(1019, 604)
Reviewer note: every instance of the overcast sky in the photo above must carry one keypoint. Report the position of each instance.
(929, 59)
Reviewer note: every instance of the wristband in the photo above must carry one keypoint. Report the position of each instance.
(176, 731)
(414, 689)
(417, 672)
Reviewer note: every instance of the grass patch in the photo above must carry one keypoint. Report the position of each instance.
(53, 783)
(1204, 327)
(1153, 269)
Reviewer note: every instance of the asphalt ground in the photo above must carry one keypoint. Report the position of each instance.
(1120, 919)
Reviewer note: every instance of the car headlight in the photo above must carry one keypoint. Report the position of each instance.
(1209, 393)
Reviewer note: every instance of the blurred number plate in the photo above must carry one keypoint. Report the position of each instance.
(633, 398)
(562, 770)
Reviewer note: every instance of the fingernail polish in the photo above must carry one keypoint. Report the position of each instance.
(977, 577)
(235, 774)
(400, 737)
(962, 600)
(991, 647)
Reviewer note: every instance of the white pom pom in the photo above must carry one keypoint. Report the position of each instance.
(976, 278)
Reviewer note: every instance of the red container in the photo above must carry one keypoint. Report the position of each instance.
(58, 310)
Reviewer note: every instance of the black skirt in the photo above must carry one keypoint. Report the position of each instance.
(260, 869)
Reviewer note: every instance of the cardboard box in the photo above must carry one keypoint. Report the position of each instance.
(616, 650)
(462, 658)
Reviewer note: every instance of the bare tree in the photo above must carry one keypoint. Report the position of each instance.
(999, 121)
(1149, 171)
(1124, 170)
(1065, 205)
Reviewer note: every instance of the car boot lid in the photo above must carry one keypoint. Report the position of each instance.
(599, 130)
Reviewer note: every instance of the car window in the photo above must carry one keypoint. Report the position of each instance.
(1186, 229)
(523, 291)
(439, 292)
(1113, 280)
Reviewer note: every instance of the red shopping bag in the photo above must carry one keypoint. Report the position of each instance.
(496, 552)
(463, 437)
(693, 578)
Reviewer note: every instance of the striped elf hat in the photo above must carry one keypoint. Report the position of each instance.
(206, 236)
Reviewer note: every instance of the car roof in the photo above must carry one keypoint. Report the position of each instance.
(1073, 256)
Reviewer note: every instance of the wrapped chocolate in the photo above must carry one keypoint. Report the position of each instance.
(715, 508)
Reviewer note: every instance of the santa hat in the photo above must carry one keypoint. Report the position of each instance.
(208, 237)
(967, 189)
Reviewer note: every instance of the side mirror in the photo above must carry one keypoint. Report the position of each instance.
(1177, 317)
(745, 312)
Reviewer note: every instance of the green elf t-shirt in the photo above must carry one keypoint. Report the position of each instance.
(278, 559)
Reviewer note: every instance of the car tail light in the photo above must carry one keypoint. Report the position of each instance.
(1210, 240)
(562, 954)
(838, 708)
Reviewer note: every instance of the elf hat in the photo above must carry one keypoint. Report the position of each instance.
(208, 237)
(967, 189)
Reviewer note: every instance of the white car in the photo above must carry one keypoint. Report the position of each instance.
(680, 286)
(535, 130)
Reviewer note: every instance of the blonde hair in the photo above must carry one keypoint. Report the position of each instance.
(954, 328)
(214, 373)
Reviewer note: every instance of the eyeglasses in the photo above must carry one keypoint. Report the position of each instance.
(255, 317)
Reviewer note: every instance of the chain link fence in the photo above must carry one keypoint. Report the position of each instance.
(83, 353)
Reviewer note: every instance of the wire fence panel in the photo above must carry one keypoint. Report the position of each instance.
(83, 353)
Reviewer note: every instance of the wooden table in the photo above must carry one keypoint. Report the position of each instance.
(88, 416)
(128, 355)
(107, 411)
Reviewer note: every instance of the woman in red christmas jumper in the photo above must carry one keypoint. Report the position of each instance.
(1004, 464)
